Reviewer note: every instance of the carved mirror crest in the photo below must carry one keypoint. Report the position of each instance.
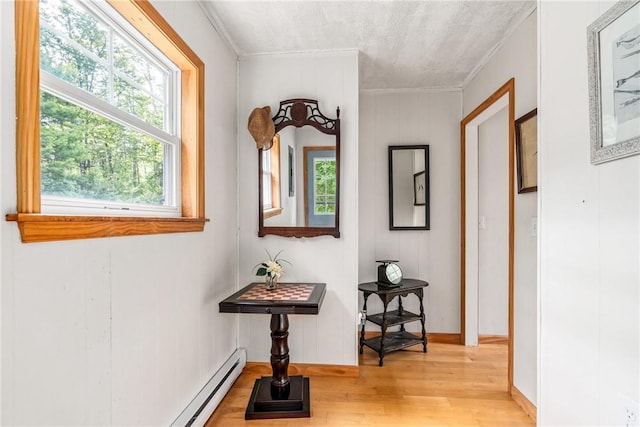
(299, 175)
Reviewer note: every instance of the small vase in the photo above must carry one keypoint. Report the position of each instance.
(271, 282)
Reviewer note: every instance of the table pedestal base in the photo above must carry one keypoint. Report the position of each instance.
(262, 404)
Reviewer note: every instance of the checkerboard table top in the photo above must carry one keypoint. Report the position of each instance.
(287, 298)
(293, 292)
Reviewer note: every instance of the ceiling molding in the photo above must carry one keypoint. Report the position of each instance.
(485, 60)
(413, 90)
(302, 53)
(218, 26)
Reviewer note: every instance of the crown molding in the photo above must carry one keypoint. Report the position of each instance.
(301, 54)
(413, 90)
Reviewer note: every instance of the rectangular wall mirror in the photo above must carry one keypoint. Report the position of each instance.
(408, 187)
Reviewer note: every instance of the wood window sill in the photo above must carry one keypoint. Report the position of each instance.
(268, 213)
(49, 228)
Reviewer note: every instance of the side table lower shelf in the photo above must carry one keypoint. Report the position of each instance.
(392, 341)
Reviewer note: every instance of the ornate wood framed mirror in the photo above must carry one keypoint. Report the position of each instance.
(299, 175)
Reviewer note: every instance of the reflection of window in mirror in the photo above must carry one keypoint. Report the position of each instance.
(271, 180)
(325, 186)
(320, 178)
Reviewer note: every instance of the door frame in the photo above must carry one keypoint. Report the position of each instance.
(469, 125)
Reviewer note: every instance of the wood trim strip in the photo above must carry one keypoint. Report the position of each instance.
(47, 228)
(493, 339)
(512, 233)
(27, 22)
(276, 173)
(432, 337)
(526, 405)
(306, 369)
(507, 88)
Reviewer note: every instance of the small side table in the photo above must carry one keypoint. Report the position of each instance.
(278, 396)
(391, 341)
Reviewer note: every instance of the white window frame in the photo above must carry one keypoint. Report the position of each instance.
(169, 136)
(267, 198)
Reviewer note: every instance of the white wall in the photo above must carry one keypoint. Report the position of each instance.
(589, 241)
(332, 79)
(121, 331)
(418, 117)
(517, 57)
(493, 240)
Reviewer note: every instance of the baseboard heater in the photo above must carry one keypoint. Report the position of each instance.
(207, 400)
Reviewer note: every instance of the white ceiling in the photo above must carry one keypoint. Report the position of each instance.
(403, 44)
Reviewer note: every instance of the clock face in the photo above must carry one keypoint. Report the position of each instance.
(394, 274)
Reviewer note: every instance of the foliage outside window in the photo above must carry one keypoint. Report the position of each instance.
(108, 130)
(106, 127)
(324, 184)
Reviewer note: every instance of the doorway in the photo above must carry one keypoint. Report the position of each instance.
(502, 98)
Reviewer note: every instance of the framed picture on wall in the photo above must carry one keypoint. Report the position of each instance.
(614, 82)
(419, 189)
(526, 128)
(292, 178)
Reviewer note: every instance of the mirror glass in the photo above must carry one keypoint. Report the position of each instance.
(307, 180)
(299, 182)
(409, 187)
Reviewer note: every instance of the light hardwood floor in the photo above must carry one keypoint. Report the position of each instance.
(451, 385)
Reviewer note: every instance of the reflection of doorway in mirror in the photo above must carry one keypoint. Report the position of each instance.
(319, 186)
(419, 190)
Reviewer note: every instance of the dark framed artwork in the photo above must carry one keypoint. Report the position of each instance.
(419, 189)
(526, 129)
(614, 82)
(292, 178)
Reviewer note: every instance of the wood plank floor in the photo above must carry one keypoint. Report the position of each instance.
(451, 385)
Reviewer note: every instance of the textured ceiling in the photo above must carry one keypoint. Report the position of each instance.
(403, 44)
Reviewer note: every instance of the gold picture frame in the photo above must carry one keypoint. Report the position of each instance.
(526, 129)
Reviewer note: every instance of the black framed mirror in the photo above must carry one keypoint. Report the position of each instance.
(299, 174)
(409, 187)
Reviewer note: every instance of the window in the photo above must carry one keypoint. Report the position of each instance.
(108, 119)
(117, 125)
(267, 199)
(271, 180)
(324, 202)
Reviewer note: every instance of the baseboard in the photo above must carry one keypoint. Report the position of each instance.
(522, 401)
(493, 339)
(305, 369)
(207, 400)
(432, 337)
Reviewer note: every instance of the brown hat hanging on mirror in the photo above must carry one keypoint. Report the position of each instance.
(261, 127)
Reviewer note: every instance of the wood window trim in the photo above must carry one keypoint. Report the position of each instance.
(276, 204)
(36, 227)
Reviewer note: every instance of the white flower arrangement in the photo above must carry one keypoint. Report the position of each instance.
(272, 268)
